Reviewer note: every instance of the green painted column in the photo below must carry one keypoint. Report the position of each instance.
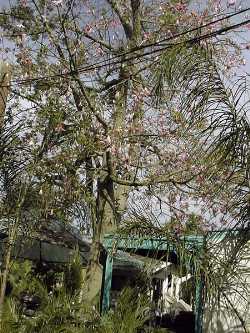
(199, 305)
(107, 283)
(199, 290)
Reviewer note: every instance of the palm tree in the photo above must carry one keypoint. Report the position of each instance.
(216, 114)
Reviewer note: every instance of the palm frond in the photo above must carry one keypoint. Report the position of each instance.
(214, 113)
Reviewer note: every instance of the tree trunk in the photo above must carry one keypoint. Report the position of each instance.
(112, 200)
(5, 76)
(13, 229)
(6, 267)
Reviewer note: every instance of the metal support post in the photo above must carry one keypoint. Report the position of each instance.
(107, 283)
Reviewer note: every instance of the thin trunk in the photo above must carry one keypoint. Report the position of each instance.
(5, 76)
(11, 241)
(4, 277)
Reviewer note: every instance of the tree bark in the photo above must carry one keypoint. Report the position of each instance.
(5, 76)
(112, 198)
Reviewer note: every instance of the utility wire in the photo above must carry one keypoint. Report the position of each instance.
(158, 44)
(188, 42)
(230, 15)
(163, 40)
(168, 46)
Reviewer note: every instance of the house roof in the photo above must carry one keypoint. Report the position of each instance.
(54, 242)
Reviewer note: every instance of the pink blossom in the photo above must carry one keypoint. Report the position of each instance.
(183, 157)
(99, 50)
(114, 23)
(180, 7)
(231, 3)
(88, 28)
(23, 3)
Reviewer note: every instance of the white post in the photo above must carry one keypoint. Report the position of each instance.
(177, 289)
(172, 286)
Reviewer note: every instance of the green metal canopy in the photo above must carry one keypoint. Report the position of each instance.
(148, 246)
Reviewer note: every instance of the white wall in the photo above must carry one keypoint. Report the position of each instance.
(225, 319)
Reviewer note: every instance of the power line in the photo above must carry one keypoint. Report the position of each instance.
(168, 46)
(137, 56)
(150, 44)
(185, 32)
(158, 44)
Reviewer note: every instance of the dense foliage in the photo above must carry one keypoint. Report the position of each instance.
(30, 308)
(119, 116)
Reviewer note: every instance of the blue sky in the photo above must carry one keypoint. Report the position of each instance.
(242, 36)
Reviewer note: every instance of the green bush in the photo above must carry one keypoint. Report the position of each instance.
(129, 315)
(63, 311)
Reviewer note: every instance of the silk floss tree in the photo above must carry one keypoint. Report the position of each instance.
(109, 113)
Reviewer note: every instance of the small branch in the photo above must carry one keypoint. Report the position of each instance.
(91, 107)
(98, 41)
(236, 312)
(156, 180)
(126, 26)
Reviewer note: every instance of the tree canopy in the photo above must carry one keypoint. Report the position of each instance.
(114, 103)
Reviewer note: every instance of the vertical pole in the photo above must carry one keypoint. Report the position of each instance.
(199, 292)
(199, 305)
(177, 288)
(172, 285)
(107, 283)
(165, 286)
